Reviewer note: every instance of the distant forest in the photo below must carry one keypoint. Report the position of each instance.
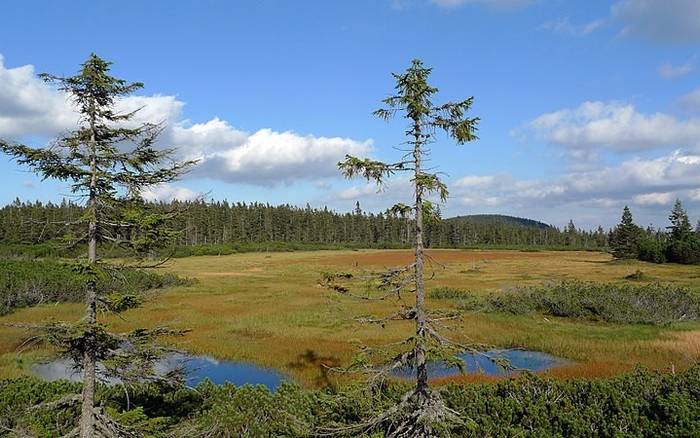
(221, 222)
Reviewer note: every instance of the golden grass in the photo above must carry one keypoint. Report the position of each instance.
(267, 308)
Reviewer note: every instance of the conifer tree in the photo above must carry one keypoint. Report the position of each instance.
(421, 410)
(625, 239)
(683, 246)
(403, 211)
(108, 160)
(680, 223)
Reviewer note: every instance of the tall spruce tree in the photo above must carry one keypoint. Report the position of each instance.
(683, 246)
(680, 228)
(421, 410)
(109, 160)
(626, 236)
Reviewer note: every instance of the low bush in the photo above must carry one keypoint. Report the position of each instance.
(446, 293)
(30, 282)
(625, 304)
(638, 404)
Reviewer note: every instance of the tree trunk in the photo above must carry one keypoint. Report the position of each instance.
(87, 414)
(421, 365)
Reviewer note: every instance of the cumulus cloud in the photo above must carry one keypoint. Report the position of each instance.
(475, 181)
(563, 25)
(649, 183)
(167, 192)
(592, 197)
(664, 198)
(30, 108)
(615, 126)
(665, 21)
(268, 157)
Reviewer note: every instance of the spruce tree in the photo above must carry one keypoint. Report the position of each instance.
(625, 238)
(108, 160)
(683, 246)
(421, 410)
(680, 223)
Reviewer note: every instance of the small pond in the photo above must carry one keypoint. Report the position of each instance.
(196, 368)
(474, 363)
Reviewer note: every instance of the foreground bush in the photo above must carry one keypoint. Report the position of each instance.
(639, 404)
(30, 282)
(625, 304)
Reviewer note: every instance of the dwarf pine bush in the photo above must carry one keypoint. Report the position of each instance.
(656, 303)
(637, 404)
(30, 282)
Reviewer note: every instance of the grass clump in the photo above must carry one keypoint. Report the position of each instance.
(622, 304)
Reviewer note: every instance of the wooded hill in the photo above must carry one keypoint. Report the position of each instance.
(499, 218)
(222, 222)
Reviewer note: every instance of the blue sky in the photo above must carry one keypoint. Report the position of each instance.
(586, 105)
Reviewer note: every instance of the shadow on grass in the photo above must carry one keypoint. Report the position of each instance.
(310, 360)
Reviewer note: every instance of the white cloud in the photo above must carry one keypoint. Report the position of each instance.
(670, 71)
(168, 192)
(665, 21)
(614, 126)
(648, 183)
(354, 193)
(664, 198)
(592, 197)
(30, 108)
(269, 157)
(564, 26)
(477, 181)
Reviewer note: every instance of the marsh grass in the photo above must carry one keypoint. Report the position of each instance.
(267, 308)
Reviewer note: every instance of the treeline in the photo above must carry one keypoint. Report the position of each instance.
(679, 243)
(221, 223)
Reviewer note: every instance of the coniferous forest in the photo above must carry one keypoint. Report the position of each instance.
(215, 227)
(221, 223)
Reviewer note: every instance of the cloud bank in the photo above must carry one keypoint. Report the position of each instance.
(614, 126)
(29, 108)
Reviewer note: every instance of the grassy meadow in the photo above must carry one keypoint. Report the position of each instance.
(268, 308)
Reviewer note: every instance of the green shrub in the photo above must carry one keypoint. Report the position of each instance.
(446, 293)
(19, 395)
(30, 282)
(651, 250)
(638, 404)
(625, 304)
